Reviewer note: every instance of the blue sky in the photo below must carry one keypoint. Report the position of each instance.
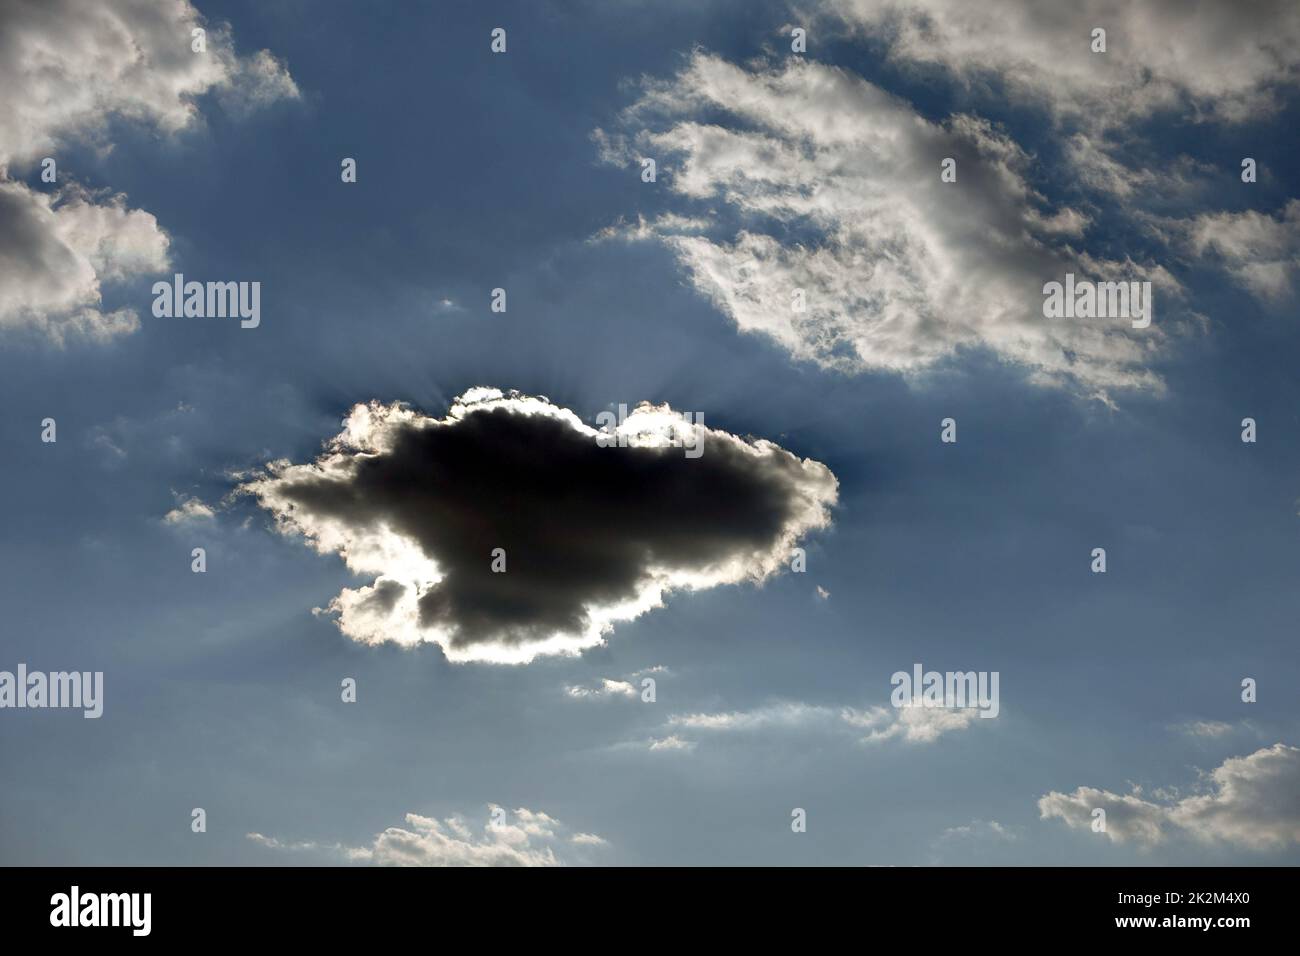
(479, 170)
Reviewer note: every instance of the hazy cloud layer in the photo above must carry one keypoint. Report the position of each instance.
(66, 68)
(818, 180)
(1253, 801)
(530, 839)
(591, 535)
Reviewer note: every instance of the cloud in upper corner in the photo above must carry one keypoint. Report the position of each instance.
(529, 840)
(588, 535)
(1209, 59)
(819, 181)
(66, 68)
(1252, 801)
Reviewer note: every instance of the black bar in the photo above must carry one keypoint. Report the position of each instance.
(661, 907)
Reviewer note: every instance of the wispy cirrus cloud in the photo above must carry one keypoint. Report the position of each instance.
(823, 185)
(1208, 729)
(629, 687)
(913, 724)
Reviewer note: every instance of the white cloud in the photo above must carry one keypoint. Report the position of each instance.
(301, 846)
(650, 229)
(256, 81)
(1210, 59)
(1200, 60)
(189, 510)
(1260, 252)
(979, 830)
(1205, 728)
(1128, 817)
(606, 688)
(66, 69)
(528, 840)
(1255, 801)
(780, 715)
(900, 270)
(56, 251)
(911, 724)
(1252, 801)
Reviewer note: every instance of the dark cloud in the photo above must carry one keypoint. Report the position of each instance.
(590, 534)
